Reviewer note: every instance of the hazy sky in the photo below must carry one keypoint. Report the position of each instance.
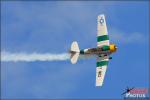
(50, 27)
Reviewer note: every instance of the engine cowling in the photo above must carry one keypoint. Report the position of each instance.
(111, 48)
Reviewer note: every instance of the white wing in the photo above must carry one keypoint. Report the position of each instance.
(101, 70)
(102, 34)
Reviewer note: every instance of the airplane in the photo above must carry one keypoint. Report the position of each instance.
(102, 52)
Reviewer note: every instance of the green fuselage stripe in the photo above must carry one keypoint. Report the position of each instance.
(81, 51)
(102, 63)
(102, 38)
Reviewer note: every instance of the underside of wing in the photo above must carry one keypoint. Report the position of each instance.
(101, 67)
(102, 34)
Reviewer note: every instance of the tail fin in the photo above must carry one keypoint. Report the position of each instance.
(75, 51)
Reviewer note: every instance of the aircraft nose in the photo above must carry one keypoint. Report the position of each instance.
(116, 47)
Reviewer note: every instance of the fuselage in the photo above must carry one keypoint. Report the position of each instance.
(100, 51)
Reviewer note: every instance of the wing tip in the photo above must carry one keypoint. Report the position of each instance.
(99, 85)
(101, 15)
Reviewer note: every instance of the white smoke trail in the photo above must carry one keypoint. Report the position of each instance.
(15, 57)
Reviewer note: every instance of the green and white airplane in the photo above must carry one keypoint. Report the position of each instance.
(102, 52)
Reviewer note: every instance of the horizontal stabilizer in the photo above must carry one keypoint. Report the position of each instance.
(75, 47)
(74, 58)
(75, 51)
